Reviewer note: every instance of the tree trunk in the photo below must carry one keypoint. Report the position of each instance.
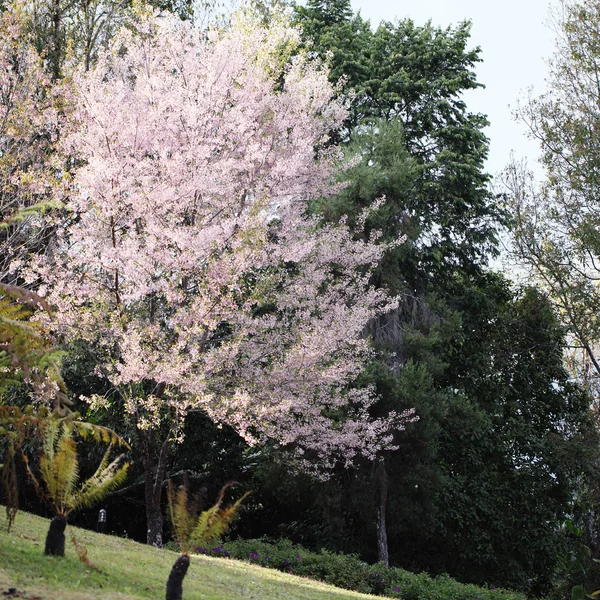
(55, 54)
(154, 475)
(154, 523)
(382, 493)
(175, 581)
(55, 540)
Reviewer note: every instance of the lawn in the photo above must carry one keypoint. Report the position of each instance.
(129, 570)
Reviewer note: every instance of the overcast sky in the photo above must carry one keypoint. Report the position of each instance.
(515, 40)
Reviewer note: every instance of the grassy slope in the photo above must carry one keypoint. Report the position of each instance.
(128, 571)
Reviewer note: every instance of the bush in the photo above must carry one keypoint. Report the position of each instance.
(349, 572)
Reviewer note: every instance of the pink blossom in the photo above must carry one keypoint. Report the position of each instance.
(192, 260)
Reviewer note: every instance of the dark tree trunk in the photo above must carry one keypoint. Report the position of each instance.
(154, 475)
(175, 581)
(154, 522)
(55, 540)
(56, 45)
(382, 493)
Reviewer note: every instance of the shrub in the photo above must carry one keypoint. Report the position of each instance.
(349, 572)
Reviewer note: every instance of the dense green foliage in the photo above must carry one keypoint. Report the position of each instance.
(500, 451)
(413, 77)
(556, 219)
(349, 572)
(505, 438)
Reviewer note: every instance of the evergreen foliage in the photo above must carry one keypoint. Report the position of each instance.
(461, 347)
(342, 40)
(503, 444)
(415, 76)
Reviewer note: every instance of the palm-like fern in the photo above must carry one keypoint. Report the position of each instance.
(59, 465)
(58, 472)
(192, 529)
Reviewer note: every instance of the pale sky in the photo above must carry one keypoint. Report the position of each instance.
(515, 40)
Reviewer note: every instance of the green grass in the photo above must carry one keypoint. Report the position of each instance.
(128, 570)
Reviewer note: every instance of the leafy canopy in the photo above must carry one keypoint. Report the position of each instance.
(193, 263)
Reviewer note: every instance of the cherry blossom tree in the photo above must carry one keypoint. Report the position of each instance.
(191, 260)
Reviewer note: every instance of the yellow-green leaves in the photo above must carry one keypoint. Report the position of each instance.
(59, 465)
(193, 529)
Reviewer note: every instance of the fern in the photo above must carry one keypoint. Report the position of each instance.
(98, 433)
(108, 477)
(182, 515)
(59, 469)
(59, 465)
(10, 484)
(16, 428)
(193, 529)
(56, 478)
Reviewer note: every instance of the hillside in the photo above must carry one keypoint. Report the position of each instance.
(128, 570)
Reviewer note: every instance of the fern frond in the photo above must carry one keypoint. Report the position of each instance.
(206, 527)
(25, 348)
(23, 427)
(98, 433)
(14, 323)
(229, 513)
(104, 481)
(59, 465)
(30, 211)
(25, 296)
(182, 515)
(16, 428)
(214, 522)
(67, 473)
(192, 529)
(52, 432)
(8, 473)
(60, 472)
